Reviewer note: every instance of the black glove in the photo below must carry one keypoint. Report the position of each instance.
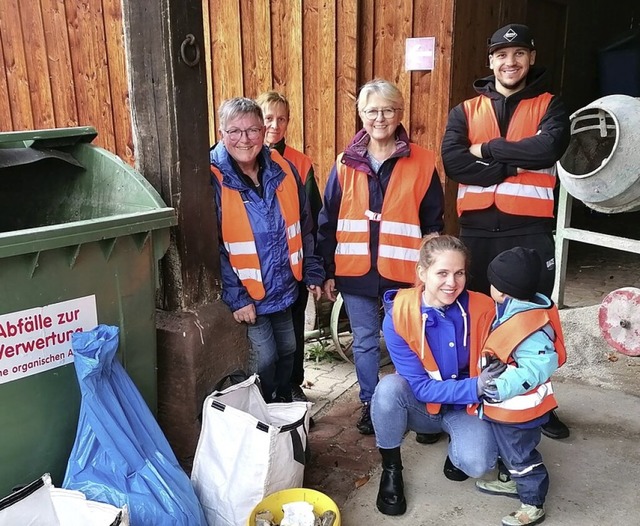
(491, 371)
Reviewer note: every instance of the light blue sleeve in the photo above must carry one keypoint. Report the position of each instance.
(537, 360)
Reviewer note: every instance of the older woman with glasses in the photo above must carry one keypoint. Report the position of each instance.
(382, 196)
(266, 241)
(276, 112)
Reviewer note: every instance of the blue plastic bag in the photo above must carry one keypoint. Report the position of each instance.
(120, 455)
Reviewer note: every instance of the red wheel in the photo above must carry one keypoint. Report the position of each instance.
(619, 319)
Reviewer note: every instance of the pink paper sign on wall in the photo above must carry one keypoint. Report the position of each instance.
(419, 53)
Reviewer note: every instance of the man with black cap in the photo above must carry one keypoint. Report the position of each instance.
(527, 336)
(501, 148)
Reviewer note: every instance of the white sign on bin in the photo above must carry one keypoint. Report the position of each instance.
(39, 339)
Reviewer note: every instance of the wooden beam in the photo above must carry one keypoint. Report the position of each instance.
(403, 30)
(327, 101)
(226, 40)
(60, 69)
(88, 50)
(366, 17)
(123, 136)
(15, 65)
(256, 46)
(37, 65)
(169, 102)
(286, 36)
(346, 72)
(6, 121)
(311, 85)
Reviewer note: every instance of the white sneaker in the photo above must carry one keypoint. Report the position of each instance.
(525, 516)
(498, 487)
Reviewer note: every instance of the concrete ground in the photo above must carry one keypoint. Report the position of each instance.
(594, 473)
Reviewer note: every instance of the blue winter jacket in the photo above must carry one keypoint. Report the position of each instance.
(536, 357)
(445, 331)
(431, 213)
(281, 287)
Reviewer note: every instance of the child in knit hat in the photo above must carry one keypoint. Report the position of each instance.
(527, 336)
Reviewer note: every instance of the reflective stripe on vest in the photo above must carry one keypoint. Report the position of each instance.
(237, 233)
(400, 233)
(301, 161)
(407, 320)
(528, 193)
(502, 342)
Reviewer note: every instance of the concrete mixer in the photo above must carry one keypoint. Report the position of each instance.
(601, 168)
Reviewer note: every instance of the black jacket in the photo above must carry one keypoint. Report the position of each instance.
(502, 158)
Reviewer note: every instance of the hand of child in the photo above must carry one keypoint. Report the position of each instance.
(493, 370)
(490, 392)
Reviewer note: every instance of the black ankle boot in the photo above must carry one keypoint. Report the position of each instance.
(452, 472)
(391, 499)
(555, 428)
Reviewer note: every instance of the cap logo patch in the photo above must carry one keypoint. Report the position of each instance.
(510, 35)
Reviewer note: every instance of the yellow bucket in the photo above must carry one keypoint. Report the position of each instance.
(274, 502)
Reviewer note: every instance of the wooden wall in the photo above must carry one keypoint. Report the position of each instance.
(318, 53)
(62, 64)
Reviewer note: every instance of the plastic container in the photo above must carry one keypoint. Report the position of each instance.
(274, 502)
(81, 233)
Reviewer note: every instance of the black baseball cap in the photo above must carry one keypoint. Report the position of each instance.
(511, 35)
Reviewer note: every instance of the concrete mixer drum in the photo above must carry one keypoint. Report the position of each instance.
(601, 165)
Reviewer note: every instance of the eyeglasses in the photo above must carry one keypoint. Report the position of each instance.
(387, 113)
(251, 133)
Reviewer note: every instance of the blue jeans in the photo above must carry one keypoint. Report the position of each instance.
(273, 344)
(395, 410)
(364, 318)
(519, 454)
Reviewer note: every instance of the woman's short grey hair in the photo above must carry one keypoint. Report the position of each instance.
(382, 88)
(236, 107)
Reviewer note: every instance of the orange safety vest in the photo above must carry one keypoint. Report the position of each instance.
(406, 320)
(526, 193)
(237, 233)
(301, 161)
(400, 233)
(502, 342)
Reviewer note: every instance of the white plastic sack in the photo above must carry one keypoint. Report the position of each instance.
(247, 450)
(42, 504)
(31, 505)
(73, 509)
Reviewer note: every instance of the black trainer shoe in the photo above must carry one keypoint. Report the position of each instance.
(428, 438)
(554, 428)
(365, 425)
(297, 394)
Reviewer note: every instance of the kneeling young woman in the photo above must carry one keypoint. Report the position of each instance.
(434, 333)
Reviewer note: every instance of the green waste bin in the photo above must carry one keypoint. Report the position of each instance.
(81, 233)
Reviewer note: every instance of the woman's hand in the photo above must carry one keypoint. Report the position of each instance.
(246, 314)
